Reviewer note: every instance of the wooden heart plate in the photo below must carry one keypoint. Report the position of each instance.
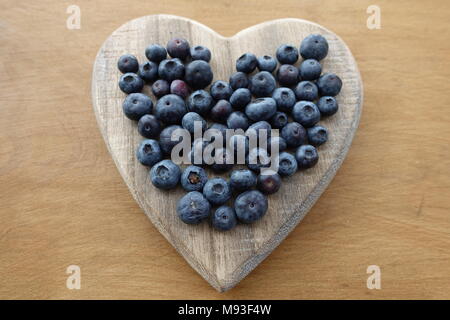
(223, 258)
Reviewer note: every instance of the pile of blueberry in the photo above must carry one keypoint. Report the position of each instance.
(258, 96)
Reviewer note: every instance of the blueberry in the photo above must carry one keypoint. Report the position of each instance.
(306, 113)
(200, 53)
(165, 174)
(156, 53)
(180, 88)
(267, 63)
(327, 106)
(165, 139)
(261, 109)
(128, 63)
(306, 156)
(257, 159)
(224, 218)
(221, 90)
(250, 206)
(198, 74)
(285, 98)
(160, 88)
(238, 120)
(149, 126)
(193, 178)
(149, 152)
(276, 141)
(170, 109)
(314, 46)
(246, 63)
(130, 83)
(178, 48)
(317, 135)
(200, 101)
(306, 90)
(196, 153)
(240, 98)
(329, 84)
(217, 191)
(287, 54)
(310, 69)
(148, 71)
(136, 105)
(225, 160)
(171, 69)
(262, 84)
(193, 207)
(294, 134)
(269, 183)
(287, 165)
(240, 146)
(279, 120)
(189, 119)
(287, 75)
(222, 129)
(259, 129)
(243, 179)
(221, 111)
(238, 80)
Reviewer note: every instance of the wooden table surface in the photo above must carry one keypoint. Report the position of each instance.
(62, 201)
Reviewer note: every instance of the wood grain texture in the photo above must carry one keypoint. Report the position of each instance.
(63, 202)
(222, 258)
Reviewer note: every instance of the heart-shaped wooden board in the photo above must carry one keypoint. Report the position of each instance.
(223, 258)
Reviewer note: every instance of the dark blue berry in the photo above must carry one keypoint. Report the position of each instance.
(262, 84)
(198, 74)
(306, 156)
(306, 113)
(250, 206)
(329, 84)
(287, 54)
(260, 129)
(317, 135)
(314, 46)
(269, 182)
(287, 75)
(285, 99)
(223, 160)
(178, 48)
(240, 145)
(276, 141)
(217, 191)
(221, 90)
(306, 90)
(279, 120)
(224, 218)
(294, 134)
(246, 63)
(149, 152)
(189, 119)
(200, 53)
(171, 69)
(193, 178)
(238, 80)
(221, 111)
(165, 138)
(240, 98)
(170, 109)
(193, 207)
(267, 63)
(257, 159)
(327, 106)
(238, 120)
(156, 53)
(261, 109)
(128, 63)
(131, 83)
(148, 71)
(165, 174)
(180, 88)
(149, 126)
(287, 164)
(242, 180)
(196, 153)
(310, 69)
(160, 88)
(200, 101)
(136, 105)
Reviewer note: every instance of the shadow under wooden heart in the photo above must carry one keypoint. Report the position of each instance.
(223, 258)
